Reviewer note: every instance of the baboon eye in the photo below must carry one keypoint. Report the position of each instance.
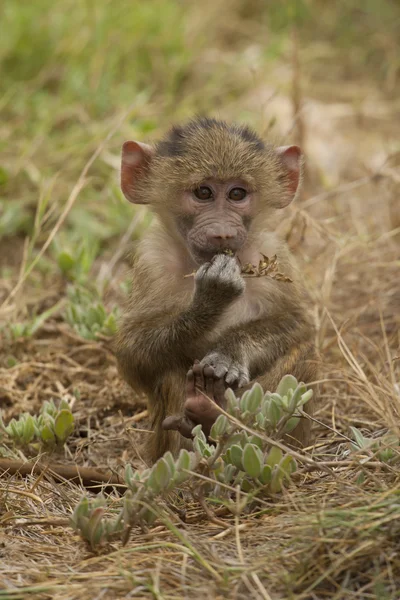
(237, 194)
(203, 193)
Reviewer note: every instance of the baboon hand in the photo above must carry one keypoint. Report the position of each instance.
(220, 279)
(234, 372)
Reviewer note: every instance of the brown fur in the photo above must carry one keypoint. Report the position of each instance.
(164, 330)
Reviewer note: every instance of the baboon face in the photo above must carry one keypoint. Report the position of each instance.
(208, 181)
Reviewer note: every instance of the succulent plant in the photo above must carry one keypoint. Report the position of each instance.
(231, 457)
(49, 429)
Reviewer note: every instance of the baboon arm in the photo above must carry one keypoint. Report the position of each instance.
(148, 347)
(164, 331)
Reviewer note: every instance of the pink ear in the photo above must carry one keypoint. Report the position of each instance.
(135, 161)
(290, 157)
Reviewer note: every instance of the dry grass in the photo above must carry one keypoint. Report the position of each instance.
(333, 534)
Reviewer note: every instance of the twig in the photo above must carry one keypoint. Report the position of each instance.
(25, 493)
(138, 417)
(237, 524)
(86, 476)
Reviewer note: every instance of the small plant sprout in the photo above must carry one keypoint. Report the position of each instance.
(89, 519)
(28, 328)
(86, 314)
(139, 506)
(231, 457)
(386, 448)
(76, 260)
(48, 430)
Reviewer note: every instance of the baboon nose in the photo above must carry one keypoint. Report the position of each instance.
(224, 236)
(221, 240)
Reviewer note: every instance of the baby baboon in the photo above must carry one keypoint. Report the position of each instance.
(215, 190)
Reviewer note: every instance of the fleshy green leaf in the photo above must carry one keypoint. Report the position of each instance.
(81, 510)
(252, 460)
(291, 424)
(162, 473)
(128, 474)
(265, 475)
(277, 399)
(255, 439)
(228, 473)
(286, 465)
(305, 398)
(63, 425)
(274, 456)
(201, 446)
(64, 405)
(183, 460)
(246, 486)
(65, 262)
(281, 472)
(219, 428)
(198, 432)
(274, 412)
(12, 429)
(232, 402)
(236, 454)
(29, 429)
(47, 434)
(276, 481)
(295, 398)
(288, 382)
(260, 420)
(243, 401)
(255, 397)
(170, 461)
(95, 526)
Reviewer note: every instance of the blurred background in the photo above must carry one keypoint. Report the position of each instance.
(325, 74)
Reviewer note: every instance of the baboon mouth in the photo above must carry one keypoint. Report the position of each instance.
(207, 255)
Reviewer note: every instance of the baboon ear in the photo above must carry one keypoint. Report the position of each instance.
(135, 161)
(291, 160)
